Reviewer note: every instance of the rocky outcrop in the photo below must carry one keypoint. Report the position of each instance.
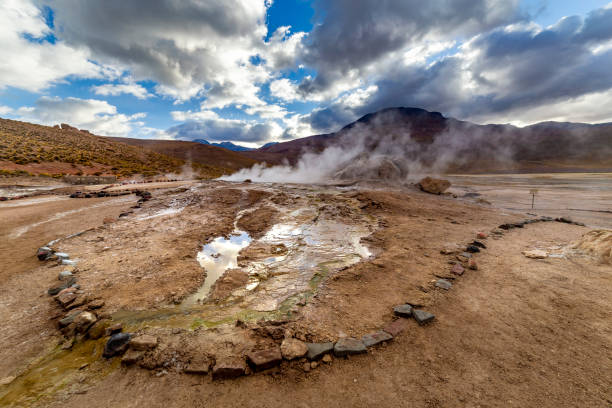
(433, 185)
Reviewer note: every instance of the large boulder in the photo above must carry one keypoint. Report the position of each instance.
(433, 185)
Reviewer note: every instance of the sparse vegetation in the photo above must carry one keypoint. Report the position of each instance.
(33, 146)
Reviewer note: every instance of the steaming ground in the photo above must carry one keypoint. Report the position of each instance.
(517, 332)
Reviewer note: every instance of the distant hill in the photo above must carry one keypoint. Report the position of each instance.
(219, 160)
(226, 145)
(418, 137)
(35, 149)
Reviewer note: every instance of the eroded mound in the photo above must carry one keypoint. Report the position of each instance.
(597, 243)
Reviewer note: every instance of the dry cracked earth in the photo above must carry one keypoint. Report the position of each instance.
(300, 264)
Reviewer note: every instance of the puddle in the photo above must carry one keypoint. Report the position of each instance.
(217, 257)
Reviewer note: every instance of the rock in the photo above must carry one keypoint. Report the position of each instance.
(57, 289)
(68, 319)
(479, 244)
(536, 254)
(443, 284)
(433, 186)
(68, 262)
(228, 369)
(79, 301)
(396, 327)
(84, 320)
(564, 220)
(327, 359)
(348, 346)
(293, 348)
(314, 364)
(62, 255)
(132, 357)
(457, 269)
(402, 310)
(7, 380)
(318, 350)
(506, 226)
(98, 329)
(114, 329)
(264, 359)
(95, 304)
(117, 344)
(143, 342)
(482, 235)
(199, 368)
(306, 367)
(372, 339)
(64, 299)
(422, 317)
(63, 275)
(472, 249)
(44, 253)
(449, 250)
(472, 265)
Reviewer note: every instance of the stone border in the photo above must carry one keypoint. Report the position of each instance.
(81, 322)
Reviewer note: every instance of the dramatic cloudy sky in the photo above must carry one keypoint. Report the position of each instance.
(254, 71)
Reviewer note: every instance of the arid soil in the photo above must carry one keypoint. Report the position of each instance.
(516, 332)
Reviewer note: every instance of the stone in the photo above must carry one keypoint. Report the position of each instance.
(449, 250)
(481, 235)
(199, 368)
(79, 301)
(64, 299)
(396, 327)
(68, 319)
(472, 265)
(264, 359)
(57, 289)
(84, 320)
(68, 262)
(479, 244)
(114, 329)
(293, 348)
(62, 255)
(7, 380)
(402, 310)
(314, 364)
(375, 338)
(318, 350)
(536, 254)
(63, 275)
(228, 369)
(348, 346)
(117, 344)
(434, 186)
(306, 367)
(143, 342)
(422, 317)
(327, 359)
(457, 269)
(95, 304)
(98, 329)
(443, 284)
(472, 249)
(132, 357)
(44, 253)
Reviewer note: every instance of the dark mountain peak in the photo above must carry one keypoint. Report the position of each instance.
(202, 141)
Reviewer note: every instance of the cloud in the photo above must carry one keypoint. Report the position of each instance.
(5, 110)
(218, 130)
(31, 62)
(137, 90)
(192, 48)
(97, 116)
(354, 34)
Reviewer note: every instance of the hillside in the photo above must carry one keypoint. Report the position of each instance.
(27, 148)
(225, 161)
(449, 145)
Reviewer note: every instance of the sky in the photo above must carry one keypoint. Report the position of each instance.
(258, 71)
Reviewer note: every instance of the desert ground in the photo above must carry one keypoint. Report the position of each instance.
(216, 270)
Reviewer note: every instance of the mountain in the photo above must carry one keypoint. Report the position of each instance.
(27, 148)
(218, 160)
(226, 145)
(414, 137)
